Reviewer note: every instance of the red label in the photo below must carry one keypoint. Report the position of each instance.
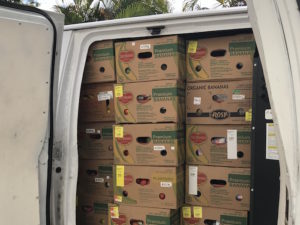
(201, 52)
(119, 221)
(201, 178)
(128, 179)
(127, 138)
(127, 97)
(191, 221)
(198, 137)
(126, 56)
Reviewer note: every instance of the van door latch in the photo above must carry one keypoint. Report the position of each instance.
(155, 30)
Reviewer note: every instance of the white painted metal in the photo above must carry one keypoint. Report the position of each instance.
(276, 28)
(76, 43)
(25, 47)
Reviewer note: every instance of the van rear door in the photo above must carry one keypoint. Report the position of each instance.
(275, 25)
(29, 43)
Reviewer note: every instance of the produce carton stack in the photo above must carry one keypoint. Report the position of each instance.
(148, 140)
(218, 134)
(95, 135)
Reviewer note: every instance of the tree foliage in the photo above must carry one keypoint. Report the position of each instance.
(91, 10)
(191, 5)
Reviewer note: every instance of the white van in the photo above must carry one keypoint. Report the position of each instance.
(41, 69)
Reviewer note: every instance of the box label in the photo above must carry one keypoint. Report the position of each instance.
(103, 54)
(119, 131)
(166, 184)
(241, 48)
(192, 48)
(90, 131)
(157, 220)
(271, 142)
(120, 176)
(238, 97)
(197, 212)
(114, 212)
(239, 180)
(165, 50)
(186, 212)
(145, 46)
(231, 144)
(118, 198)
(233, 220)
(248, 116)
(197, 100)
(158, 147)
(99, 180)
(118, 91)
(193, 175)
(105, 95)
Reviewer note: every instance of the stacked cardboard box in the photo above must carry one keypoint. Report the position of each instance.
(148, 141)
(218, 116)
(95, 136)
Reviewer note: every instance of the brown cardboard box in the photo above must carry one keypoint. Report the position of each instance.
(150, 59)
(95, 140)
(92, 211)
(130, 215)
(197, 215)
(220, 58)
(157, 187)
(224, 102)
(218, 145)
(95, 177)
(150, 145)
(100, 63)
(150, 102)
(96, 103)
(223, 187)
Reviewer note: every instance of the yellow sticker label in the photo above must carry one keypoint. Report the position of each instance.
(118, 198)
(186, 212)
(120, 176)
(197, 212)
(248, 116)
(192, 48)
(118, 91)
(119, 131)
(114, 212)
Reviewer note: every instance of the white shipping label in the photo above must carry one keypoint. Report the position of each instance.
(158, 147)
(172, 148)
(231, 144)
(238, 97)
(271, 142)
(90, 131)
(217, 223)
(105, 95)
(193, 175)
(166, 184)
(145, 46)
(99, 180)
(197, 100)
(268, 114)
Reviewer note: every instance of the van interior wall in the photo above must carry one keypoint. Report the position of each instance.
(192, 36)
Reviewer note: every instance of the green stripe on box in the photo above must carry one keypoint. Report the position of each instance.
(233, 220)
(157, 220)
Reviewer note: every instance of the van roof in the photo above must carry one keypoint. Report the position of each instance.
(160, 17)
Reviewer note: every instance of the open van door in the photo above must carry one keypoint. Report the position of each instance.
(29, 44)
(276, 28)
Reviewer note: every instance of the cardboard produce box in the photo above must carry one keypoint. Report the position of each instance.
(150, 102)
(223, 187)
(223, 102)
(219, 145)
(96, 177)
(92, 211)
(130, 215)
(96, 103)
(157, 187)
(197, 215)
(100, 63)
(95, 140)
(160, 58)
(219, 58)
(149, 144)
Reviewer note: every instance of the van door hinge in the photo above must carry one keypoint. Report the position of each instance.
(155, 30)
